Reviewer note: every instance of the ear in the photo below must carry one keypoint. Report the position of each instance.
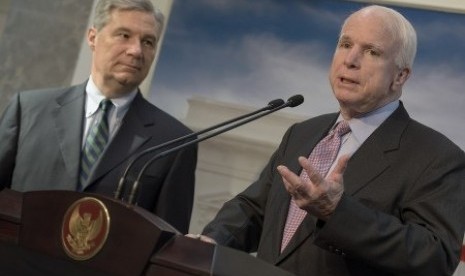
(401, 77)
(91, 37)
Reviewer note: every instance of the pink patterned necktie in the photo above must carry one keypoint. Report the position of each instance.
(321, 158)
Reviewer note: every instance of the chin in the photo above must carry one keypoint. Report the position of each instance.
(129, 81)
(344, 98)
(346, 95)
(349, 104)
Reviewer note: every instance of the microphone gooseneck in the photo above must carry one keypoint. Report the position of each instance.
(121, 184)
(273, 106)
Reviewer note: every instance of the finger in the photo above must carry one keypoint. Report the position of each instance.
(207, 239)
(339, 169)
(342, 164)
(315, 177)
(201, 238)
(193, 236)
(291, 181)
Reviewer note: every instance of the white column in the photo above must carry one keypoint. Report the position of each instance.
(165, 7)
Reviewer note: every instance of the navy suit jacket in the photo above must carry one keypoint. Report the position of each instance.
(402, 211)
(41, 142)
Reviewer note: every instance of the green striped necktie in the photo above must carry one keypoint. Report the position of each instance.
(96, 140)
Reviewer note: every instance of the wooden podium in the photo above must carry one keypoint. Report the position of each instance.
(63, 233)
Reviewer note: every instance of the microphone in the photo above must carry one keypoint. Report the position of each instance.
(121, 184)
(291, 102)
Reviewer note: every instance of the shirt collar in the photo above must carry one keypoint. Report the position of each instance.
(362, 127)
(94, 97)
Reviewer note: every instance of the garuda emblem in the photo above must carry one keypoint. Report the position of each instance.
(85, 228)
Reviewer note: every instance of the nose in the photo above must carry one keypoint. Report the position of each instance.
(352, 58)
(134, 48)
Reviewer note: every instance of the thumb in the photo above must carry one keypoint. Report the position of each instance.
(339, 169)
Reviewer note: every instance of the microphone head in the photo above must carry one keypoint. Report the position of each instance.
(295, 100)
(275, 103)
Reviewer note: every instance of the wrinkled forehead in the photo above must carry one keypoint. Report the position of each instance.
(135, 19)
(372, 25)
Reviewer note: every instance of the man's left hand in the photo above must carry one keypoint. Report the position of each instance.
(317, 195)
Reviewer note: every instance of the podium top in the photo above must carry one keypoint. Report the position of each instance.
(36, 226)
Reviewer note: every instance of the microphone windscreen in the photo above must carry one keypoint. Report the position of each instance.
(295, 100)
(275, 103)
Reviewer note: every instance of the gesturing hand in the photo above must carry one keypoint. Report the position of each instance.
(318, 196)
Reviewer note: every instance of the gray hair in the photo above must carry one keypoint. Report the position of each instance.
(402, 30)
(104, 8)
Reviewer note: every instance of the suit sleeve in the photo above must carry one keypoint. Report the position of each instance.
(9, 133)
(177, 193)
(425, 232)
(239, 223)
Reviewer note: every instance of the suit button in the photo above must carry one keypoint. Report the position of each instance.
(338, 251)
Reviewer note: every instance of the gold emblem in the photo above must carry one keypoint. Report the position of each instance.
(85, 228)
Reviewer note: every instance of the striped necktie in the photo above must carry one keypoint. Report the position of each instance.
(321, 158)
(96, 140)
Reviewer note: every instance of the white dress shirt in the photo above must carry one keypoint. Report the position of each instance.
(116, 113)
(362, 127)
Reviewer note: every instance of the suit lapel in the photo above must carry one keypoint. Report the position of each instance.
(302, 233)
(308, 140)
(131, 135)
(371, 156)
(69, 112)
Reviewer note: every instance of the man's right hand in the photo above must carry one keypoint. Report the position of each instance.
(201, 238)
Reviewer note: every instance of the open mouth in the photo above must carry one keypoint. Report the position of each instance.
(347, 81)
(131, 67)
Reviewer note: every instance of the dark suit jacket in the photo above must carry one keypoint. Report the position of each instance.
(41, 141)
(402, 212)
